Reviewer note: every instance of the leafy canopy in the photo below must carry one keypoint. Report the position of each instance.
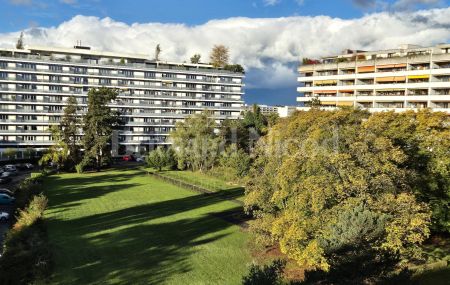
(316, 166)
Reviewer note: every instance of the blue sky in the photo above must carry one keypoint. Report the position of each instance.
(269, 41)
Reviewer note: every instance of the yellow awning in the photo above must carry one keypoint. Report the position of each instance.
(321, 82)
(344, 103)
(425, 76)
(328, 103)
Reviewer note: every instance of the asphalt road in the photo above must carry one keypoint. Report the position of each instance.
(4, 227)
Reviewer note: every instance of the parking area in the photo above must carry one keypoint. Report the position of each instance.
(4, 226)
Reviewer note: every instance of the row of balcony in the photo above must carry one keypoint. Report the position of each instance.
(30, 88)
(119, 103)
(160, 67)
(149, 82)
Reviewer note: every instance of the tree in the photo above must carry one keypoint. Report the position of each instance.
(424, 137)
(254, 119)
(195, 142)
(70, 125)
(312, 169)
(160, 158)
(234, 68)
(270, 274)
(157, 52)
(219, 56)
(236, 160)
(10, 153)
(59, 152)
(29, 152)
(98, 125)
(19, 44)
(195, 59)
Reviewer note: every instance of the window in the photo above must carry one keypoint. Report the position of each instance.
(55, 88)
(57, 68)
(127, 73)
(3, 64)
(149, 74)
(104, 81)
(24, 65)
(169, 75)
(3, 75)
(103, 71)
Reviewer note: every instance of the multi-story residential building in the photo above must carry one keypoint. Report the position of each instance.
(410, 77)
(282, 111)
(153, 95)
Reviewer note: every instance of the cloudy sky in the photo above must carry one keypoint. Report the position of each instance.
(268, 37)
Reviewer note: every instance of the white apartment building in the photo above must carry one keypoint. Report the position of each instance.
(282, 111)
(410, 77)
(153, 95)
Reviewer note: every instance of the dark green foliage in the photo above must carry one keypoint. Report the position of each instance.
(70, 130)
(160, 158)
(355, 227)
(234, 68)
(27, 257)
(19, 44)
(235, 159)
(360, 267)
(195, 59)
(98, 125)
(255, 120)
(270, 274)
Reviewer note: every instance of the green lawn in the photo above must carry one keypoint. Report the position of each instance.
(124, 227)
(206, 181)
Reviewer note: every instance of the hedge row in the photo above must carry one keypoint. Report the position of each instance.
(26, 253)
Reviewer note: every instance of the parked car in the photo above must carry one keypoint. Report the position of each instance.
(7, 174)
(4, 216)
(10, 168)
(6, 191)
(4, 180)
(6, 199)
(29, 165)
(140, 159)
(128, 158)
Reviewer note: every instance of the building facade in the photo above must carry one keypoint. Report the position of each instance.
(410, 77)
(281, 111)
(153, 95)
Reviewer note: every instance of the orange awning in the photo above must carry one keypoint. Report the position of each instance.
(325, 92)
(391, 79)
(363, 69)
(392, 65)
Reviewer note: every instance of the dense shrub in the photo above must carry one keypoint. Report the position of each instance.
(271, 274)
(26, 254)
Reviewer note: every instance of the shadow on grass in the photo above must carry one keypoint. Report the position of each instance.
(440, 276)
(128, 246)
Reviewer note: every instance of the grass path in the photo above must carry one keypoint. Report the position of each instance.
(124, 227)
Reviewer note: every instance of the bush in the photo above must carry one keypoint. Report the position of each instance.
(32, 213)
(27, 255)
(236, 160)
(161, 158)
(270, 274)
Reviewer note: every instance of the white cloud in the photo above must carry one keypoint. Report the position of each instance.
(269, 48)
(271, 2)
